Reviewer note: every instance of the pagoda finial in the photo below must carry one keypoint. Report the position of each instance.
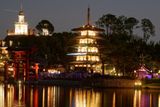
(88, 16)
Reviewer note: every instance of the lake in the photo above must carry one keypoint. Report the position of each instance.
(58, 96)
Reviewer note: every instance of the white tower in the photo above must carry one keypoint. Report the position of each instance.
(21, 26)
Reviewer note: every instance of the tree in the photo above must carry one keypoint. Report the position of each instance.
(123, 49)
(44, 27)
(119, 27)
(147, 28)
(107, 21)
(130, 23)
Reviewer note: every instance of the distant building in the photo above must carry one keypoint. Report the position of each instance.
(87, 56)
(45, 32)
(143, 73)
(21, 26)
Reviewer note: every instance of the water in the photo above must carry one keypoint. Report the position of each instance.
(55, 96)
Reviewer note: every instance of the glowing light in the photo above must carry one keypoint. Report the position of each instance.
(138, 83)
(45, 31)
(88, 32)
(137, 98)
(86, 41)
(2, 100)
(114, 100)
(77, 54)
(88, 49)
(159, 100)
(85, 98)
(21, 27)
(53, 71)
(11, 69)
(21, 19)
(81, 58)
(36, 67)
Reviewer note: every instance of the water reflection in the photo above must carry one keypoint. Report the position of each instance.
(54, 96)
(85, 98)
(137, 98)
(1, 96)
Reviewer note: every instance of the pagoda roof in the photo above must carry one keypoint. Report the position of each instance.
(89, 37)
(88, 27)
(85, 62)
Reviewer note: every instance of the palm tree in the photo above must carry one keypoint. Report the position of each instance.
(130, 23)
(107, 21)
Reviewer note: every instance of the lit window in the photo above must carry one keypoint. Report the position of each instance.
(21, 19)
(45, 32)
(88, 32)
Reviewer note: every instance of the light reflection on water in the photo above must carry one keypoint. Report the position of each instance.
(54, 96)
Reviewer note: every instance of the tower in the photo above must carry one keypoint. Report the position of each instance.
(88, 56)
(21, 26)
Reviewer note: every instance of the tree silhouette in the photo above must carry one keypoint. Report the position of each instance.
(44, 27)
(107, 21)
(147, 28)
(130, 23)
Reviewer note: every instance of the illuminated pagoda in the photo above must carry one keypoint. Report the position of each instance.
(21, 26)
(87, 55)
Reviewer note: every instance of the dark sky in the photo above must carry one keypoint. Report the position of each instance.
(68, 14)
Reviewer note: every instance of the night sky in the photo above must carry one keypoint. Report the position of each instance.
(68, 14)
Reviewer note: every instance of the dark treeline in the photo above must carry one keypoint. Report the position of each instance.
(119, 47)
(123, 48)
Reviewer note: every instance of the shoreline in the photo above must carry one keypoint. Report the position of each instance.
(90, 83)
(93, 83)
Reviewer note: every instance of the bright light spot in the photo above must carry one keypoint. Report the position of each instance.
(53, 71)
(11, 69)
(138, 83)
(21, 27)
(86, 40)
(75, 54)
(19, 82)
(45, 32)
(88, 32)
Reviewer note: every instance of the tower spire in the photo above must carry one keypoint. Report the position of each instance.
(21, 6)
(88, 16)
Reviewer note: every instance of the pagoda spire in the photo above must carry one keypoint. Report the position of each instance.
(88, 16)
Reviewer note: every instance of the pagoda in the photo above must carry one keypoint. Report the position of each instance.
(87, 55)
